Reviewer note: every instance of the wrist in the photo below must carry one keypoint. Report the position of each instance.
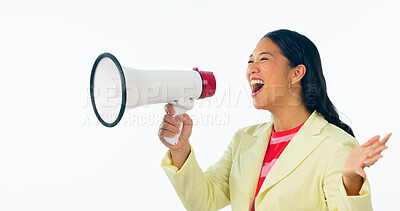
(180, 155)
(352, 184)
(184, 149)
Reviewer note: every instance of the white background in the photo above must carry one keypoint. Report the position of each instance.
(55, 156)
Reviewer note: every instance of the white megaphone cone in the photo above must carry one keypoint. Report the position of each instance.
(114, 89)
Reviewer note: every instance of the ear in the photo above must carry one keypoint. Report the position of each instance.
(298, 73)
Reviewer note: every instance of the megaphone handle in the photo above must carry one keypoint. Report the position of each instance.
(178, 110)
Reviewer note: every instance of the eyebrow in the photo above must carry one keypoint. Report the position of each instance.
(262, 53)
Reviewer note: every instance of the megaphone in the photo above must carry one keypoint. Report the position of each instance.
(115, 88)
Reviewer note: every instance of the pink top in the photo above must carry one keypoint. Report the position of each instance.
(277, 143)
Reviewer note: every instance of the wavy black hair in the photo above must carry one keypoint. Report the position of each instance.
(298, 49)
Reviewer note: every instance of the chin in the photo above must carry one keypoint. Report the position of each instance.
(260, 101)
(258, 105)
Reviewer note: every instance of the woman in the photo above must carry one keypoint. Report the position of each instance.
(305, 159)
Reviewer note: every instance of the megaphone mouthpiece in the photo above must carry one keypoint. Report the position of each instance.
(209, 83)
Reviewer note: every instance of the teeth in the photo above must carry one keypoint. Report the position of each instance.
(256, 82)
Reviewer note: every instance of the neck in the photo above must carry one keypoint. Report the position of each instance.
(289, 117)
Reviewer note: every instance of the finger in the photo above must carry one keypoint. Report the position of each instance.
(186, 120)
(171, 120)
(365, 164)
(370, 150)
(361, 172)
(371, 141)
(376, 151)
(384, 140)
(169, 127)
(375, 145)
(373, 160)
(163, 133)
(169, 109)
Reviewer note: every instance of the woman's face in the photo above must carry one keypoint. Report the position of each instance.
(268, 74)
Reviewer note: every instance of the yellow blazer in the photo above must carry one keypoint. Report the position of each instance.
(306, 176)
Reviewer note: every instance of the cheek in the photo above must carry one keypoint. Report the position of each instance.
(275, 86)
(248, 74)
(276, 78)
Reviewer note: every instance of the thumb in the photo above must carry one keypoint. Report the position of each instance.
(361, 172)
(186, 120)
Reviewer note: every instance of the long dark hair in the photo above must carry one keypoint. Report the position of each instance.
(298, 49)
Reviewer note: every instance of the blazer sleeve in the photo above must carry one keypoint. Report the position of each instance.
(200, 190)
(335, 193)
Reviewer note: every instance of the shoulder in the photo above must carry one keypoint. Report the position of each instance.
(248, 133)
(253, 130)
(336, 146)
(336, 138)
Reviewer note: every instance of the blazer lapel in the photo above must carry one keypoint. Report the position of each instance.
(251, 151)
(302, 144)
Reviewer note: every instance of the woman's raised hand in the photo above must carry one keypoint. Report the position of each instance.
(363, 156)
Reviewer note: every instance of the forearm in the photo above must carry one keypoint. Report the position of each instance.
(198, 190)
(180, 155)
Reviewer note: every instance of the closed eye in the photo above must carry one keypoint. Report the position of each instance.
(263, 59)
(250, 62)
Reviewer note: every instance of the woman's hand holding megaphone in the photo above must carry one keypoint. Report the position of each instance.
(170, 127)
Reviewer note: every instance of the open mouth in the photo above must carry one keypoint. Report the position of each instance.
(256, 86)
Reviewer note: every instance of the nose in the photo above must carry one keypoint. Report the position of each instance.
(253, 68)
